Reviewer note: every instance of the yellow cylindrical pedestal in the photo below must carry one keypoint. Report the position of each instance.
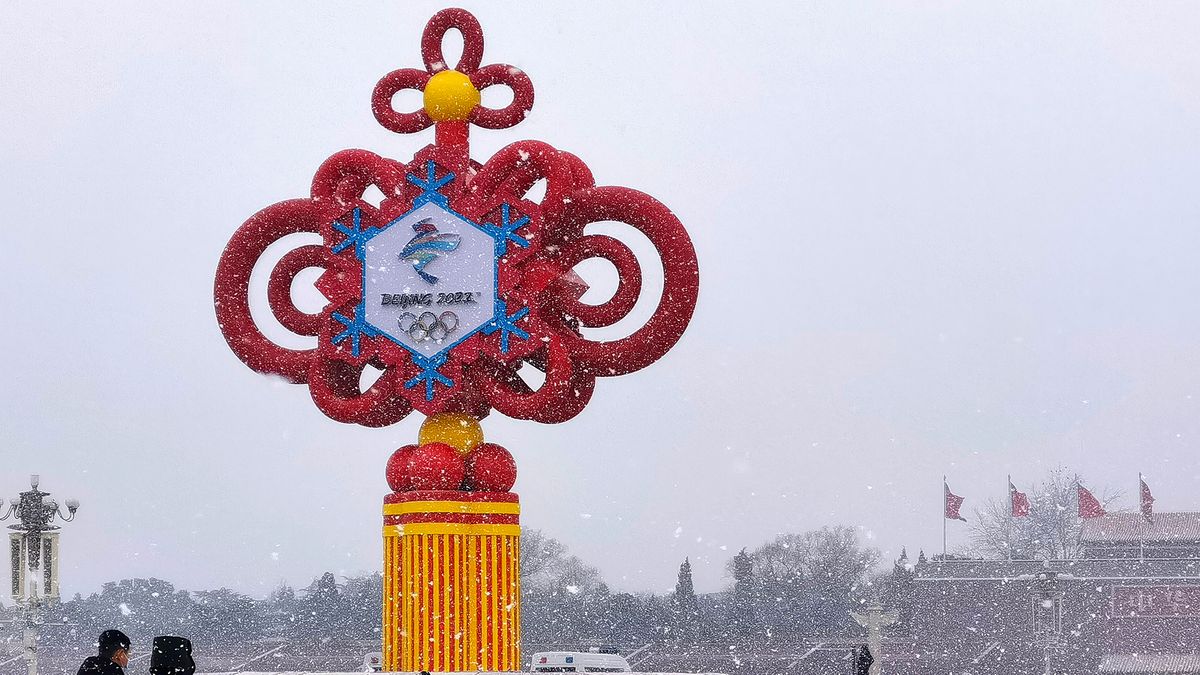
(451, 582)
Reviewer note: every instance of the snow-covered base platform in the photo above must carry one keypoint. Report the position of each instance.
(360, 673)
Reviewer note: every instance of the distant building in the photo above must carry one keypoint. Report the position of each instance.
(1129, 535)
(1129, 606)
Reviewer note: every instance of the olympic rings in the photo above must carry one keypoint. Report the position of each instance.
(428, 326)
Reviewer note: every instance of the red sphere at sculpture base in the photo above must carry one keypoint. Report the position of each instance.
(399, 475)
(490, 468)
(435, 466)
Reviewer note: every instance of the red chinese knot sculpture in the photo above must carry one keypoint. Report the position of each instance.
(456, 279)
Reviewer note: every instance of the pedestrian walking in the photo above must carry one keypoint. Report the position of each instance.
(172, 655)
(113, 656)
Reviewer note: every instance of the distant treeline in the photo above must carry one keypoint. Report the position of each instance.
(796, 586)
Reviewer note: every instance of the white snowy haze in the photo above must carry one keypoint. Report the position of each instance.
(953, 238)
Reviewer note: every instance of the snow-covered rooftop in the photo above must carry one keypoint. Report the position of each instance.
(1150, 663)
(1133, 527)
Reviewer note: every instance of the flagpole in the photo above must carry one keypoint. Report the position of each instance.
(1008, 523)
(1141, 537)
(945, 489)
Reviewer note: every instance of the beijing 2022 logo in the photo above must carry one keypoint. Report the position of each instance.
(429, 279)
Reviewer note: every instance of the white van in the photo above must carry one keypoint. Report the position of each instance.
(578, 662)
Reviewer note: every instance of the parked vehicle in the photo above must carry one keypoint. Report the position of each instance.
(578, 662)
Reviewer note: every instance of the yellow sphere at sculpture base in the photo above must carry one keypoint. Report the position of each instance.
(458, 430)
(449, 95)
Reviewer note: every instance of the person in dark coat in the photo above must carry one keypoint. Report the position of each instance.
(172, 656)
(113, 656)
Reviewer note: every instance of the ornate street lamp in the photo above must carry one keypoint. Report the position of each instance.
(1046, 611)
(875, 620)
(33, 546)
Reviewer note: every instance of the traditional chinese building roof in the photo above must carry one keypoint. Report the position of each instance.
(1131, 664)
(1133, 528)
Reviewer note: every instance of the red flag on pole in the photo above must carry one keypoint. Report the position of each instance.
(1018, 500)
(1089, 506)
(1147, 500)
(953, 502)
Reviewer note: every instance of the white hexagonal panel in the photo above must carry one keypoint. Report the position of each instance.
(429, 279)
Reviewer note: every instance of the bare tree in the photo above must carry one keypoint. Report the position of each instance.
(806, 582)
(545, 563)
(1050, 531)
(827, 553)
(538, 552)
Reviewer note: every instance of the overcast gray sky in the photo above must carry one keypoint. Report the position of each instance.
(934, 238)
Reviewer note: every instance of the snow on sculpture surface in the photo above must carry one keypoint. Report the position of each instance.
(536, 315)
(448, 286)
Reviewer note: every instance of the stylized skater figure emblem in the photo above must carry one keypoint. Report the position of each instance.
(426, 246)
